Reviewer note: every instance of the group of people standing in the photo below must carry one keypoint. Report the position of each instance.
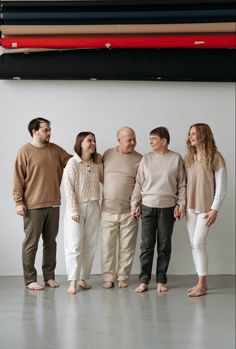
(159, 187)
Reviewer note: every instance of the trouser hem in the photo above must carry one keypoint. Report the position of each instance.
(161, 281)
(29, 282)
(144, 281)
(49, 277)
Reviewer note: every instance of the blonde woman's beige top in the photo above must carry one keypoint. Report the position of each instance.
(202, 188)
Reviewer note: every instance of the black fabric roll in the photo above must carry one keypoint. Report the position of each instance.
(122, 64)
(8, 5)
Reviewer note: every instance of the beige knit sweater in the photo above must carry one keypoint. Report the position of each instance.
(81, 183)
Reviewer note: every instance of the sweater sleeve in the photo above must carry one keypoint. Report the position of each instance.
(136, 195)
(181, 186)
(101, 174)
(70, 174)
(19, 178)
(65, 157)
(220, 188)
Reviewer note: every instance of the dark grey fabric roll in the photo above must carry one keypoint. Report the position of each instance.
(118, 17)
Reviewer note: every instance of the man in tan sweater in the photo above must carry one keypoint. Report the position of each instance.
(120, 169)
(161, 185)
(36, 191)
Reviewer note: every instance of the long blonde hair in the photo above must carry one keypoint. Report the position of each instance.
(206, 144)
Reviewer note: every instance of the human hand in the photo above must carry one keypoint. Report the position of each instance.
(179, 213)
(21, 210)
(98, 159)
(210, 217)
(76, 218)
(135, 213)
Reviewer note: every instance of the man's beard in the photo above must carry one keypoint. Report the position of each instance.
(45, 141)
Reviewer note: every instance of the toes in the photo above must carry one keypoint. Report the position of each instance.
(71, 290)
(52, 283)
(108, 284)
(83, 284)
(141, 288)
(33, 286)
(197, 291)
(122, 284)
(161, 287)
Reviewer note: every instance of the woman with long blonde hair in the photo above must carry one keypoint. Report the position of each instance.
(206, 189)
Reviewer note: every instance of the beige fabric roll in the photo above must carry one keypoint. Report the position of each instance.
(117, 29)
(34, 50)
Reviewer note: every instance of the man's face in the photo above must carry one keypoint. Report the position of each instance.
(127, 142)
(43, 134)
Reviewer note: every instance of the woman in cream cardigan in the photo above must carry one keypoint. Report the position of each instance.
(82, 176)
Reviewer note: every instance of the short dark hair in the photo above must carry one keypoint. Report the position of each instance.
(35, 124)
(79, 140)
(161, 132)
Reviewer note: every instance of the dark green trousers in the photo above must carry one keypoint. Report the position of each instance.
(157, 227)
(40, 222)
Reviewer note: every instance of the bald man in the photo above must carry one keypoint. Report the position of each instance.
(119, 228)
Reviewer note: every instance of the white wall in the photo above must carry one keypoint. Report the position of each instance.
(103, 107)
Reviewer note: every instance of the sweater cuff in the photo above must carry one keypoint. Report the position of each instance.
(215, 206)
(74, 213)
(181, 205)
(18, 203)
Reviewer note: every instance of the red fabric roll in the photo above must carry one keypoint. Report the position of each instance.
(179, 41)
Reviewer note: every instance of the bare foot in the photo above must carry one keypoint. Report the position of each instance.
(72, 287)
(194, 287)
(141, 288)
(83, 284)
(33, 286)
(122, 284)
(198, 292)
(52, 283)
(161, 287)
(108, 284)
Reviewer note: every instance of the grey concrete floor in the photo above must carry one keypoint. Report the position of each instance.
(118, 318)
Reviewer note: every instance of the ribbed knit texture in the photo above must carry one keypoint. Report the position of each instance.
(81, 183)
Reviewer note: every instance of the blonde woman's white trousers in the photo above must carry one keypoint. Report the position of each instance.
(197, 230)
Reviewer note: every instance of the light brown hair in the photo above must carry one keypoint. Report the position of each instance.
(206, 144)
(79, 140)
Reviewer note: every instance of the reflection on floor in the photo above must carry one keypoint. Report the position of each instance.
(118, 318)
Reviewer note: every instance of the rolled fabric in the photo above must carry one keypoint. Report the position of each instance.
(19, 5)
(28, 50)
(118, 29)
(119, 17)
(122, 64)
(174, 41)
